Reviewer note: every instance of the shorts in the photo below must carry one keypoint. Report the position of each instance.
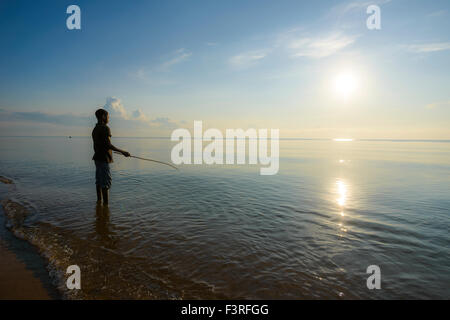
(102, 175)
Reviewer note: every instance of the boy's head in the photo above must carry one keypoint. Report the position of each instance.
(102, 116)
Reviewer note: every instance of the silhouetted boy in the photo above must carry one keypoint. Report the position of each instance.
(101, 135)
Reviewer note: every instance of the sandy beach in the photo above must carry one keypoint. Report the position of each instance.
(17, 281)
(21, 270)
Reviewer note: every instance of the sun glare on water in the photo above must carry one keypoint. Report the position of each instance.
(343, 139)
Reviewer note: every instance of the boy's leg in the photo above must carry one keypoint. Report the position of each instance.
(107, 183)
(103, 181)
(99, 194)
(105, 196)
(98, 181)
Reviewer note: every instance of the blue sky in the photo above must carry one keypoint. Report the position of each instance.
(158, 65)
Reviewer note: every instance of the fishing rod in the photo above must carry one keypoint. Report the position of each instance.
(152, 160)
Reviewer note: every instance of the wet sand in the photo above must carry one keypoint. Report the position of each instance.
(17, 281)
(22, 271)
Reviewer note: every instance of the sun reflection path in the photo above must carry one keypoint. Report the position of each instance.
(343, 139)
(342, 192)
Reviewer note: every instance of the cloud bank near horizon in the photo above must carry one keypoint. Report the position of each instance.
(116, 109)
(122, 118)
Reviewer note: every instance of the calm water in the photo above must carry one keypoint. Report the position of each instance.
(310, 231)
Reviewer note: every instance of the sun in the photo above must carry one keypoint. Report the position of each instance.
(345, 85)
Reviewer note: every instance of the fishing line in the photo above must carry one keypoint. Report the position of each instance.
(152, 160)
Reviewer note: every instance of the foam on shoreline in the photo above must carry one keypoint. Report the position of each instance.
(105, 274)
(6, 180)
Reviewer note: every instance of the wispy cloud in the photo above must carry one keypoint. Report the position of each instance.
(439, 13)
(159, 74)
(178, 56)
(319, 47)
(247, 59)
(140, 74)
(353, 6)
(149, 77)
(429, 47)
(295, 43)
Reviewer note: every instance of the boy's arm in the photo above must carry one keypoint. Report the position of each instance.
(113, 148)
(125, 153)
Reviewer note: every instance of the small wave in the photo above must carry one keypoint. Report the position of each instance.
(6, 180)
(105, 274)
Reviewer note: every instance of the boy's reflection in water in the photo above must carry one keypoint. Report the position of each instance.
(104, 228)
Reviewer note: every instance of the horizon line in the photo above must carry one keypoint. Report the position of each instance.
(268, 138)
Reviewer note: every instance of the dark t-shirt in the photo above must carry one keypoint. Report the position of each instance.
(102, 143)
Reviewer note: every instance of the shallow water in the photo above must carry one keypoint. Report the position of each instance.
(311, 231)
